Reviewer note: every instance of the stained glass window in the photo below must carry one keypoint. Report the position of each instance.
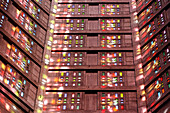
(152, 47)
(158, 89)
(111, 79)
(66, 78)
(33, 9)
(13, 80)
(27, 22)
(68, 58)
(110, 41)
(156, 65)
(111, 58)
(4, 4)
(112, 101)
(110, 24)
(64, 101)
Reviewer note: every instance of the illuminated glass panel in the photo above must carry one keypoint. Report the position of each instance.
(148, 13)
(70, 24)
(20, 59)
(4, 4)
(152, 47)
(145, 15)
(110, 24)
(31, 7)
(22, 39)
(26, 22)
(71, 9)
(110, 41)
(66, 78)
(157, 89)
(68, 41)
(63, 101)
(67, 58)
(112, 101)
(111, 9)
(14, 80)
(156, 65)
(153, 26)
(111, 79)
(111, 58)
(148, 31)
(2, 18)
(8, 105)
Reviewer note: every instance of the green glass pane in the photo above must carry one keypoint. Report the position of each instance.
(78, 94)
(78, 107)
(167, 73)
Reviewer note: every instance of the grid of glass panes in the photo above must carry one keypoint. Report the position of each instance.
(110, 9)
(31, 7)
(4, 4)
(22, 61)
(110, 24)
(67, 58)
(111, 79)
(22, 39)
(70, 24)
(65, 78)
(153, 26)
(110, 41)
(152, 47)
(71, 9)
(158, 63)
(63, 101)
(68, 41)
(8, 105)
(111, 58)
(78, 58)
(14, 80)
(157, 89)
(148, 13)
(112, 101)
(26, 22)
(2, 18)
